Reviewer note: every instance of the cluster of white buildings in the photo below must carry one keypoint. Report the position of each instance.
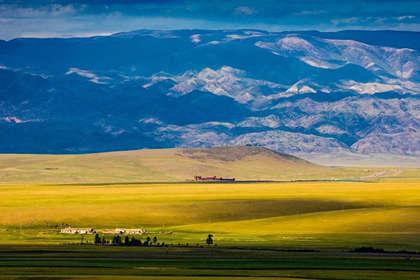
(130, 231)
(91, 231)
(78, 230)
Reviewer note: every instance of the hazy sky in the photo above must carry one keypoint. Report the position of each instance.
(62, 18)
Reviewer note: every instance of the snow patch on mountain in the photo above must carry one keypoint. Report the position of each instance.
(195, 38)
(244, 35)
(158, 77)
(93, 77)
(151, 121)
(331, 53)
(301, 87)
(225, 81)
(370, 88)
(18, 120)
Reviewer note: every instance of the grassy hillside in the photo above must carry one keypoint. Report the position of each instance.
(243, 163)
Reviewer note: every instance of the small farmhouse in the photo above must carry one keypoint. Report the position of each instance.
(125, 231)
(135, 231)
(119, 231)
(78, 230)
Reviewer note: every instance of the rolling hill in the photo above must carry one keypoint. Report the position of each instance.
(160, 165)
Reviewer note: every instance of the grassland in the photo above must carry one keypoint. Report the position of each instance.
(97, 262)
(286, 214)
(252, 222)
(169, 165)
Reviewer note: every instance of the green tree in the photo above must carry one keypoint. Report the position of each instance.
(148, 239)
(154, 240)
(127, 241)
(135, 242)
(209, 239)
(97, 239)
(103, 241)
(118, 241)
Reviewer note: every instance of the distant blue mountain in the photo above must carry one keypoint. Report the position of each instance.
(295, 92)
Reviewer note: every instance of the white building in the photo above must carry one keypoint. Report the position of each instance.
(78, 230)
(134, 231)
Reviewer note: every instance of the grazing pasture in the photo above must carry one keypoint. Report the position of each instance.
(292, 214)
(292, 229)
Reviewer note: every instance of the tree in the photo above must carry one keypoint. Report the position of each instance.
(127, 241)
(97, 239)
(118, 241)
(154, 240)
(103, 242)
(148, 239)
(209, 239)
(135, 242)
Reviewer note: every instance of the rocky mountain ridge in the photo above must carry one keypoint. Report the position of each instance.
(294, 92)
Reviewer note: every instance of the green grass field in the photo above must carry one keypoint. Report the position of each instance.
(98, 262)
(252, 222)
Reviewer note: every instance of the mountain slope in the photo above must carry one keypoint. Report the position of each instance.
(295, 92)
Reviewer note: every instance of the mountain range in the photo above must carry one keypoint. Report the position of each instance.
(304, 93)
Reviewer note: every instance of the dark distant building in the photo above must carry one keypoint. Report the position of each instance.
(212, 178)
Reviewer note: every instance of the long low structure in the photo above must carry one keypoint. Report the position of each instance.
(78, 230)
(135, 231)
(212, 178)
(125, 231)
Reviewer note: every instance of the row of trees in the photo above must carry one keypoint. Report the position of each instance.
(117, 241)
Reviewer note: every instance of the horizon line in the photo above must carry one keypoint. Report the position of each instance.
(108, 34)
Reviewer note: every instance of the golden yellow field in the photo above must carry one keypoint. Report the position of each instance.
(306, 207)
(284, 217)
(310, 214)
